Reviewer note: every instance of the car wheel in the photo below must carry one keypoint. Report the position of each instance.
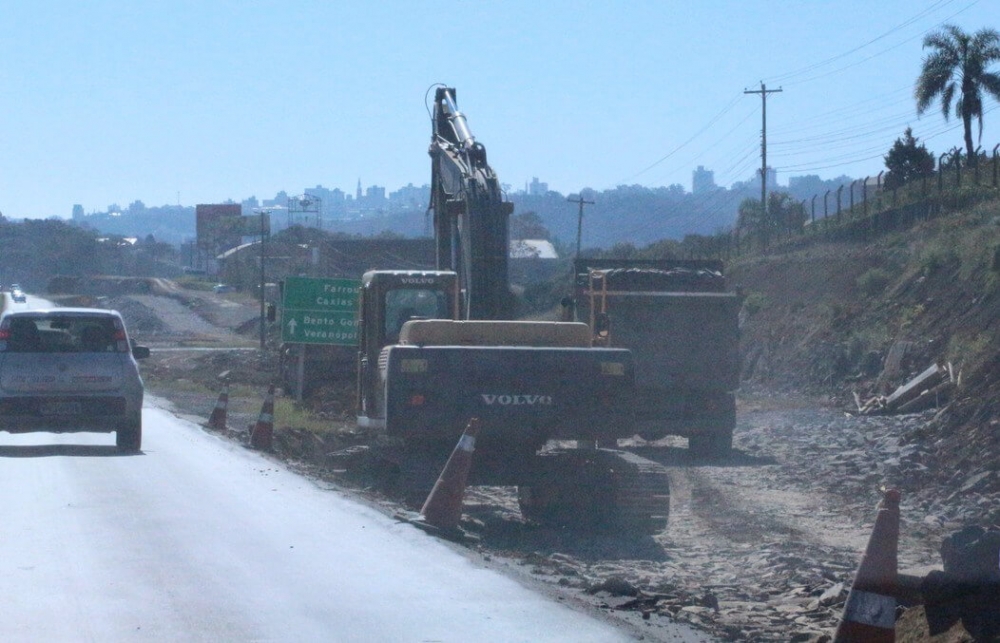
(128, 437)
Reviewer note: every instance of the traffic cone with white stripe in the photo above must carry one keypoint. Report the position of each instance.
(870, 612)
(217, 420)
(263, 430)
(443, 507)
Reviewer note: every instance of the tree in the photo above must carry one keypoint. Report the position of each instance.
(907, 161)
(751, 219)
(784, 215)
(528, 225)
(957, 71)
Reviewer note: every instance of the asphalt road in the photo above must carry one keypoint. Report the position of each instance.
(199, 539)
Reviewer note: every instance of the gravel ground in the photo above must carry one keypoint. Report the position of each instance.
(763, 547)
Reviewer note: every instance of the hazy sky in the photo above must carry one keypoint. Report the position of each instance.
(109, 101)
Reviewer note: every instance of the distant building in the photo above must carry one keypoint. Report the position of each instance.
(532, 261)
(532, 249)
(250, 205)
(375, 197)
(280, 199)
(702, 180)
(410, 197)
(78, 214)
(537, 188)
(772, 178)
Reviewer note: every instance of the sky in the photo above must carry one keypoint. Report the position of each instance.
(185, 102)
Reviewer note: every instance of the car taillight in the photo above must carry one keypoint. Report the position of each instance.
(417, 399)
(4, 335)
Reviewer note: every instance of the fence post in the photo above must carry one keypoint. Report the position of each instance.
(958, 168)
(975, 165)
(839, 190)
(814, 208)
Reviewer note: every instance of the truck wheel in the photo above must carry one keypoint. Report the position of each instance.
(128, 436)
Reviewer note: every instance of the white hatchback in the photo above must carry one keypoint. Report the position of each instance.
(67, 370)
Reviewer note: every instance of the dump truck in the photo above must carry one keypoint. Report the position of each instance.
(682, 326)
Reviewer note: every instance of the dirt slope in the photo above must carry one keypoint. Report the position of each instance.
(822, 320)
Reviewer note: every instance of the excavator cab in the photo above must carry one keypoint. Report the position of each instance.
(390, 298)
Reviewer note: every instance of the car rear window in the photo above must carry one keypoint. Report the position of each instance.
(60, 334)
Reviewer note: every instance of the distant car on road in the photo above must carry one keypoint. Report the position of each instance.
(221, 288)
(18, 295)
(68, 370)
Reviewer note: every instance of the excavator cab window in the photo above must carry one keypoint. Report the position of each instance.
(404, 304)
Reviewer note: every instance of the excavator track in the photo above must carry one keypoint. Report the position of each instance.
(597, 489)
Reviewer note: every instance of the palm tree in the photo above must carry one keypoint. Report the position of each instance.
(957, 70)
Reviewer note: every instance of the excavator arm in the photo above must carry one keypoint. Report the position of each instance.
(470, 214)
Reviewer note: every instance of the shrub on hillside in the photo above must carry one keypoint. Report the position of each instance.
(873, 282)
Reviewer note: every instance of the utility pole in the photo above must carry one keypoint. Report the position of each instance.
(264, 228)
(763, 91)
(579, 222)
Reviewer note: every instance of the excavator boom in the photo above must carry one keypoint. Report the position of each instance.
(470, 214)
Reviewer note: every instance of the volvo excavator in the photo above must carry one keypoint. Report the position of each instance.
(438, 348)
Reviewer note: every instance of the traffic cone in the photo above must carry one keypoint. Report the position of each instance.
(262, 432)
(870, 612)
(443, 507)
(217, 420)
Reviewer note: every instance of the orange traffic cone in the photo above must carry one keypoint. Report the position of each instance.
(443, 507)
(870, 612)
(260, 435)
(217, 420)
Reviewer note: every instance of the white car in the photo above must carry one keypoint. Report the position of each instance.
(67, 370)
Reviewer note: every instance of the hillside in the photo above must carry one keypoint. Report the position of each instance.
(821, 319)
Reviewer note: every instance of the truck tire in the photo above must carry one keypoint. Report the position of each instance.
(128, 435)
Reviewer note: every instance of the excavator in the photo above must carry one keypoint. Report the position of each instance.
(439, 347)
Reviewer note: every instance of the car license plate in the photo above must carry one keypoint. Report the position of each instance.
(60, 408)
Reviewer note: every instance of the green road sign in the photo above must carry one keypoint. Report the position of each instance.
(320, 311)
